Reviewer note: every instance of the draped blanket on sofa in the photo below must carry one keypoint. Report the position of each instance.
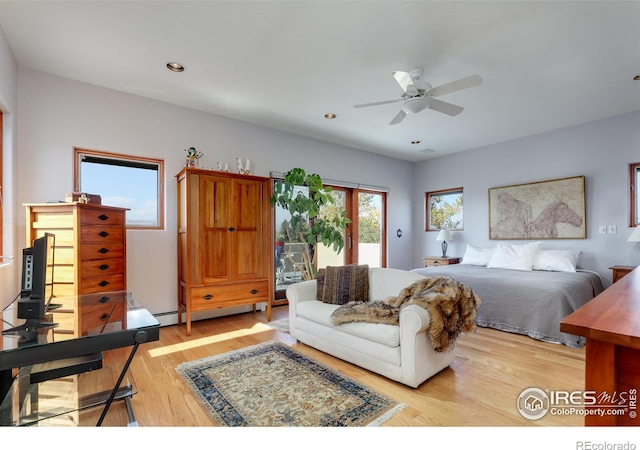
(451, 305)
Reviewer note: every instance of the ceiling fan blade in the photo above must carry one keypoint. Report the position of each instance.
(398, 118)
(406, 82)
(364, 105)
(444, 107)
(458, 85)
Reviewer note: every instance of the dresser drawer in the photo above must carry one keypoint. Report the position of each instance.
(89, 285)
(110, 250)
(100, 315)
(224, 296)
(95, 233)
(101, 267)
(89, 216)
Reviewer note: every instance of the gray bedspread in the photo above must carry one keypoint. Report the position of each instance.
(532, 303)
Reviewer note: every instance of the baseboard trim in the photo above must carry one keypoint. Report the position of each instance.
(171, 317)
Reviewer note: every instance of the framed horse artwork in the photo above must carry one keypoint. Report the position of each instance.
(552, 209)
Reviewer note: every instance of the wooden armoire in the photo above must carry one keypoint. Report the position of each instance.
(225, 242)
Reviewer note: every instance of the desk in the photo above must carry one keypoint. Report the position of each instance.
(125, 324)
(611, 324)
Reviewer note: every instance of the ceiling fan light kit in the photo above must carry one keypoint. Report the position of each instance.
(419, 95)
(415, 104)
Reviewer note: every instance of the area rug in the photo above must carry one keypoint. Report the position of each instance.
(272, 385)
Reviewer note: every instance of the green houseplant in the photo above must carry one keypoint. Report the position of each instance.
(307, 224)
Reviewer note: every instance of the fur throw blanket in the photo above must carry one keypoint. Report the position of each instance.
(451, 305)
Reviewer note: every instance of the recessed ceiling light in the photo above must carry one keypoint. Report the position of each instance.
(330, 116)
(637, 78)
(415, 142)
(175, 67)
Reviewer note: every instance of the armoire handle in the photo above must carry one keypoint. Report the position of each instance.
(103, 217)
(232, 229)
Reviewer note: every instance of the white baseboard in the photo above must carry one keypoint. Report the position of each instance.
(171, 317)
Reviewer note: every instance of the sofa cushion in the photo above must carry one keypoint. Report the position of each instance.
(319, 312)
(343, 284)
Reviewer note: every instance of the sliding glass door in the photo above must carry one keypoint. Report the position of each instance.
(364, 237)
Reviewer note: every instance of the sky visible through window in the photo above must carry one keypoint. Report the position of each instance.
(126, 187)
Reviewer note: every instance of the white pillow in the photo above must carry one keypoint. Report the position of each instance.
(556, 260)
(477, 256)
(514, 256)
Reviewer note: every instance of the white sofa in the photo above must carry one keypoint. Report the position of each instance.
(402, 353)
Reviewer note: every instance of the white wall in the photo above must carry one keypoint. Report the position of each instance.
(8, 268)
(56, 114)
(601, 151)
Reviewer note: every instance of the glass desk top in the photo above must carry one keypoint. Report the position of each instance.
(105, 320)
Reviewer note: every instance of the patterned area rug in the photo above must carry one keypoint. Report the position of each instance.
(272, 385)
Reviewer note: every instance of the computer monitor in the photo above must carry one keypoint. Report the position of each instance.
(37, 284)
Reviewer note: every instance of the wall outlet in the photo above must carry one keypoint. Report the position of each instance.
(602, 229)
(612, 229)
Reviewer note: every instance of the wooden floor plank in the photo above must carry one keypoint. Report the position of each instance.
(480, 388)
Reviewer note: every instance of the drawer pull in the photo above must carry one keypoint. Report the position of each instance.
(104, 299)
(208, 297)
(103, 217)
(103, 266)
(254, 291)
(103, 283)
(232, 229)
(103, 250)
(104, 316)
(103, 234)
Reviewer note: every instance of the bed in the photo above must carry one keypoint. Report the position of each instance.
(529, 302)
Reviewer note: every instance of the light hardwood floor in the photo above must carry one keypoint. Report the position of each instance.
(480, 388)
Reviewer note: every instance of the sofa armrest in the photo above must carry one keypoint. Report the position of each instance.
(413, 320)
(302, 292)
(297, 293)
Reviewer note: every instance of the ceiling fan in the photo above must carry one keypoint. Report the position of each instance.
(418, 95)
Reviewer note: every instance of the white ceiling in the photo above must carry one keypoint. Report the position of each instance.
(284, 64)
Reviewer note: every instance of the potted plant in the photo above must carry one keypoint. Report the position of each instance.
(307, 225)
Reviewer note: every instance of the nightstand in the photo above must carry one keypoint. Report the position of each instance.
(620, 271)
(434, 261)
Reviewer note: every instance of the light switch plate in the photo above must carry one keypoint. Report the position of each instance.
(613, 229)
(602, 229)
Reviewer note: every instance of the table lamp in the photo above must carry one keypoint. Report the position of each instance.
(445, 236)
(635, 236)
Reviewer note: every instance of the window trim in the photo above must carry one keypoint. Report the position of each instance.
(428, 196)
(136, 160)
(634, 169)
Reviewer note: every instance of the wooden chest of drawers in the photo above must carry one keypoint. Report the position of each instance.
(90, 254)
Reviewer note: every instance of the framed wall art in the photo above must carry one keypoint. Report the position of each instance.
(553, 209)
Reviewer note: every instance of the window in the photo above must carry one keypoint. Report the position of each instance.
(444, 210)
(125, 181)
(635, 199)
